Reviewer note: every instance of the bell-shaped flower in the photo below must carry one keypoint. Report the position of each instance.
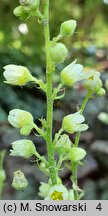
(19, 181)
(23, 148)
(57, 192)
(72, 74)
(20, 118)
(17, 75)
(93, 81)
(73, 123)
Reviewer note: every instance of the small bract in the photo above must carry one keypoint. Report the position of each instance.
(73, 123)
(23, 148)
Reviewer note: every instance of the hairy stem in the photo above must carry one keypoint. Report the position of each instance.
(49, 70)
(77, 138)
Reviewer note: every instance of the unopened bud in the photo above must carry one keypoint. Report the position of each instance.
(21, 13)
(58, 52)
(76, 154)
(68, 27)
(101, 92)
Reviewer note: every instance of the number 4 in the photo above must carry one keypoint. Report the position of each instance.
(99, 207)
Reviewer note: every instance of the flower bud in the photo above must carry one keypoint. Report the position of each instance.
(101, 92)
(68, 27)
(17, 75)
(76, 154)
(58, 52)
(19, 181)
(63, 145)
(23, 148)
(20, 118)
(2, 176)
(73, 123)
(57, 192)
(72, 74)
(22, 13)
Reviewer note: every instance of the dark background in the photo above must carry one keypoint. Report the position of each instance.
(24, 45)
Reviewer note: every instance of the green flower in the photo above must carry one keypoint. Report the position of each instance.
(19, 181)
(23, 148)
(58, 52)
(72, 74)
(20, 118)
(68, 27)
(76, 154)
(93, 81)
(17, 75)
(73, 123)
(27, 9)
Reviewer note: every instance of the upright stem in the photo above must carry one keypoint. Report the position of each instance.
(49, 70)
(88, 95)
(75, 165)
